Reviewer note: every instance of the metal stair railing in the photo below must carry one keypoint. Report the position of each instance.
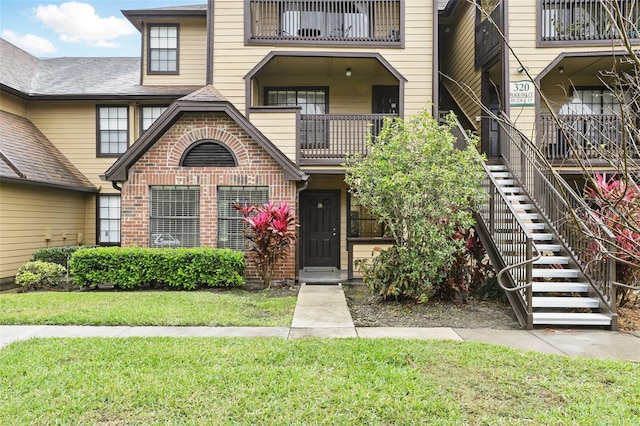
(497, 216)
(562, 208)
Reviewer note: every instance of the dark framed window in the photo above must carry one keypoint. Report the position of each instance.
(162, 53)
(109, 219)
(362, 223)
(112, 129)
(149, 114)
(174, 216)
(314, 102)
(230, 223)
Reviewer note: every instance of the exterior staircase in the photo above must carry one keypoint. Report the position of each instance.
(554, 289)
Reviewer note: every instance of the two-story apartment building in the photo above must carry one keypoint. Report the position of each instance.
(230, 102)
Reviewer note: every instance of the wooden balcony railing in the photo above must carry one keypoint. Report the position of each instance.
(327, 139)
(324, 21)
(488, 38)
(585, 20)
(583, 137)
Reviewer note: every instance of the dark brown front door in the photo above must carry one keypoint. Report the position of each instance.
(320, 228)
(385, 99)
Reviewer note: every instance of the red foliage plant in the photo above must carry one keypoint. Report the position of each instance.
(270, 234)
(617, 205)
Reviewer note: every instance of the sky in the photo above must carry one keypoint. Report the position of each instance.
(52, 28)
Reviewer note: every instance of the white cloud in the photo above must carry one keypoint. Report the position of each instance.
(77, 22)
(29, 42)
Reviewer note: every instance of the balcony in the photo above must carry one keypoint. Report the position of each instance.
(583, 137)
(309, 22)
(326, 139)
(585, 21)
(488, 39)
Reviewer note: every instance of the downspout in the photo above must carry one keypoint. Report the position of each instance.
(435, 60)
(115, 186)
(210, 16)
(299, 246)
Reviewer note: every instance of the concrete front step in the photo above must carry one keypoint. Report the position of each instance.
(555, 273)
(564, 318)
(564, 302)
(549, 247)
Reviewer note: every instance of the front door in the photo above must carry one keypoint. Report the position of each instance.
(320, 228)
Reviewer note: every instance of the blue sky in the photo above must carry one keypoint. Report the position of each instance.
(52, 28)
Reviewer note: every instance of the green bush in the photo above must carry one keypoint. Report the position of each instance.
(59, 255)
(179, 268)
(38, 274)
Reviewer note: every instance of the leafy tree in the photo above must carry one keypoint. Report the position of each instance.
(422, 189)
(271, 233)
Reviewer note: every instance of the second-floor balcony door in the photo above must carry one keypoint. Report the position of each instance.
(385, 101)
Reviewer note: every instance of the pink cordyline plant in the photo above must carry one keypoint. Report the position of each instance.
(270, 234)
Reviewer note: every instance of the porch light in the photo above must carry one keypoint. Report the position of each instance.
(561, 70)
(348, 72)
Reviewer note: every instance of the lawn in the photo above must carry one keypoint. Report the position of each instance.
(234, 307)
(311, 381)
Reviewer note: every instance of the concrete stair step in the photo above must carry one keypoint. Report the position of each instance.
(535, 226)
(564, 318)
(559, 287)
(517, 198)
(564, 302)
(549, 247)
(552, 260)
(555, 273)
(505, 182)
(529, 216)
(496, 167)
(542, 236)
(512, 189)
(501, 174)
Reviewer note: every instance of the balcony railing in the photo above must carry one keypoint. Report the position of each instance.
(586, 20)
(327, 139)
(488, 37)
(324, 21)
(583, 137)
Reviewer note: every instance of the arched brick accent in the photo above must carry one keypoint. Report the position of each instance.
(215, 133)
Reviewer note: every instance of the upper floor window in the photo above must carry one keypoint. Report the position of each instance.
(112, 129)
(148, 115)
(163, 49)
(293, 21)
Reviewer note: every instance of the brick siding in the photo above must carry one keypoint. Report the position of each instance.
(160, 166)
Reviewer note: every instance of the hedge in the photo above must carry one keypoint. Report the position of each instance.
(38, 274)
(179, 268)
(59, 255)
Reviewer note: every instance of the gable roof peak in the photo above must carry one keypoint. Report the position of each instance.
(207, 93)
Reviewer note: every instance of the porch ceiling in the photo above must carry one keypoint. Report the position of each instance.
(325, 67)
(589, 65)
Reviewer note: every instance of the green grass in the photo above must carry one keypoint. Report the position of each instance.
(230, 308)
(335, 381)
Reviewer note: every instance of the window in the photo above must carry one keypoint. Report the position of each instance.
(148, 115)
(362, 223)
(314, 101)
(113, 130)
(163, 49)
(174, 216)
(109, 219)
(230, 223)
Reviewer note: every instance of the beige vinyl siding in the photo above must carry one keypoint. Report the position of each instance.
(27, 213)
(13, 104)
(71, 127)
(522, 37)
(365, 252)
(192, 60)
(233, 60)
(460, 66)
(280, 128)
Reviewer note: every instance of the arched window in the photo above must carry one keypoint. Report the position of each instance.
(208, 153)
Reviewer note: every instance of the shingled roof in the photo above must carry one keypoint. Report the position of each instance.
(76, 78)
(27, 156)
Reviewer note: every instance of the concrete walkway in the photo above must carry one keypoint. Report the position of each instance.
(322, 311)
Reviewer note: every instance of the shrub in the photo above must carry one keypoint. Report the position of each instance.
(135, 267)
(423, 190)
(270, 233)
(59, 255)
(37, 274)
